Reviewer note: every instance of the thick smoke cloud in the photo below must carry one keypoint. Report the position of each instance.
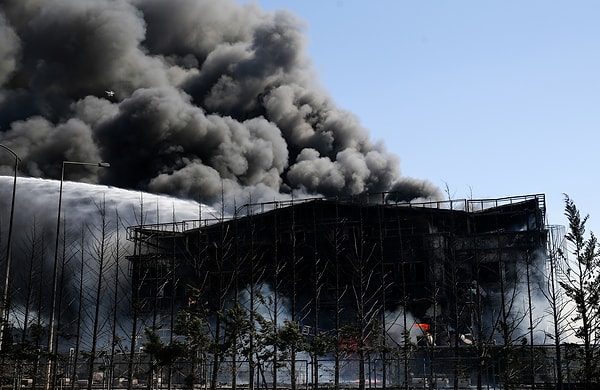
(210, 98)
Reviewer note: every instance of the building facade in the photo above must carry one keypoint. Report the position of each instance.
(380, 278)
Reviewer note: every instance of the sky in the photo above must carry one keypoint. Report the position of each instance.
(485, 98)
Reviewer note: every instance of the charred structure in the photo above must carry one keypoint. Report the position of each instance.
(388, 281)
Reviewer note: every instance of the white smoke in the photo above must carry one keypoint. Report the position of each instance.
(35, 218)
(38, 199)
(401, 328)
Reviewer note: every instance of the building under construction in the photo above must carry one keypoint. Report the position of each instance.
(403, 294)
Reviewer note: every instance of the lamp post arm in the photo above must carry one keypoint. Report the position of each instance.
(9, 150)
(98, 164)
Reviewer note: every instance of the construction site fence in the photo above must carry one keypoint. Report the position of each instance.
(422, 369)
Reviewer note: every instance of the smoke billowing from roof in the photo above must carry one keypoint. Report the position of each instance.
(209, 98)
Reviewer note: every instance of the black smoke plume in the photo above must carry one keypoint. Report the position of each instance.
(199, 99)
(192, 98)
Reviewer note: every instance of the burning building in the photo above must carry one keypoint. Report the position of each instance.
(216, 101)
(385, 280)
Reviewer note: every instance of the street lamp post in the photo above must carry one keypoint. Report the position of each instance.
(55, 266)
(5, 296)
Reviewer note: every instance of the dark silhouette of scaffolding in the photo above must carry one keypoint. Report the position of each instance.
(411, 293)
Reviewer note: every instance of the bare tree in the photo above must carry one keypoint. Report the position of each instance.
(319, 267)
(366, 290)
(558, 309)
(101, 239)
(223, 278)
(294, 343)
(76, 349)
(26, 352)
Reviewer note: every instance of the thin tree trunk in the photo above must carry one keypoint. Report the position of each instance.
(114, 335)
(135, 304)
(293, 298)
(275, 298)
(79, 312)
(316, 297)
(554, 304)
(530, 311)
(60, 301)
(100, 252)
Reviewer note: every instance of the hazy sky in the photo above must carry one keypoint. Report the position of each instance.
(492, 98)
